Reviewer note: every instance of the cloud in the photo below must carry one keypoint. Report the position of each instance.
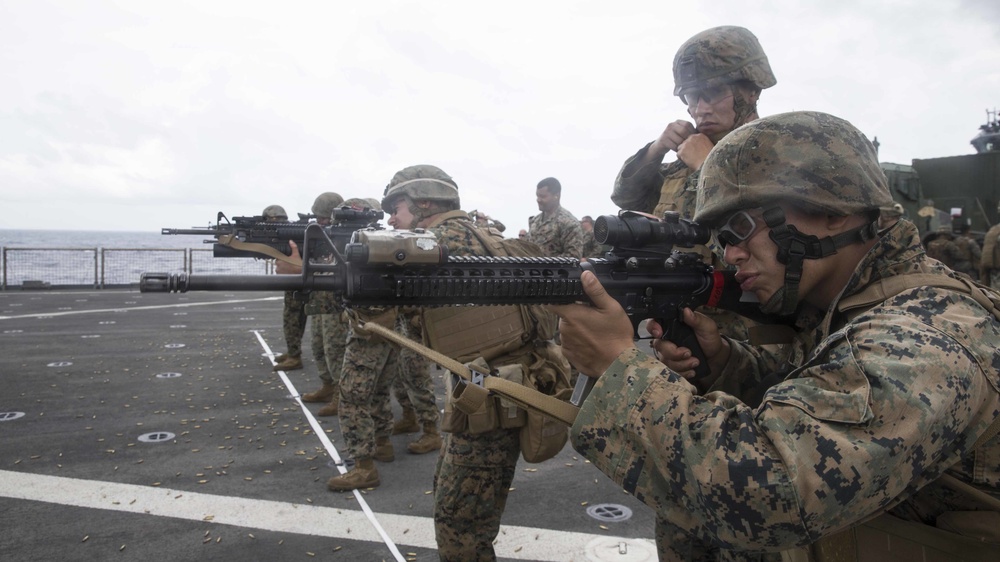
(176, 111)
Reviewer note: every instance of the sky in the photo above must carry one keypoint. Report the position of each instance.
(139, 115)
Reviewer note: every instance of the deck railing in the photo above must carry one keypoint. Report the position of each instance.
(105, 268)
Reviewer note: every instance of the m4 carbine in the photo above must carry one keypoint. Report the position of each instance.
(410, 268)
(253, 237)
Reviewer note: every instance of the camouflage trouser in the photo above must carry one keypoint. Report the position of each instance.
(329, 336)
(471, 484)
(370, 365)
(414, 387)
(995, 278)
(293, 322)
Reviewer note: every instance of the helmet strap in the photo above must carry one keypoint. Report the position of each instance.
(742, 107)
(794, 248)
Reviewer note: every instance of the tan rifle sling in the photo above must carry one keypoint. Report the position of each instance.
(237, 244)
(523, 396)
(888, 538)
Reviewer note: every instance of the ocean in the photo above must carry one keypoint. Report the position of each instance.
(96, 239)
(91, 258)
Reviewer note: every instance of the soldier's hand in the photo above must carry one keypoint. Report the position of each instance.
(593, 336)
(284, 266)
(694, 150)
(672, 137)
(680, 359)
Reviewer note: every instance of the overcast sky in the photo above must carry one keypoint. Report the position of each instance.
(141, 115)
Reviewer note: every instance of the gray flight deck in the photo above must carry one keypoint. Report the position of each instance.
(151, 427)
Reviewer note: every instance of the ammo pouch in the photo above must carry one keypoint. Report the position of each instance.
(474, 409)
(467, 332)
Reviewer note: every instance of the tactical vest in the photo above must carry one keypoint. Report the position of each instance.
(465, 333)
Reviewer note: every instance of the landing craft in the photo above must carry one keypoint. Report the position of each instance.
(932, 190)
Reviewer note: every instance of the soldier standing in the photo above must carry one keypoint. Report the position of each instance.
(293, 316)
(941, 246)
(591, 248)
(555, 229)
(970, 254)
(466, 523)
(989, 265)
(718, 74)
(328, 330)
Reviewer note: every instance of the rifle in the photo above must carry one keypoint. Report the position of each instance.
(642, 272)
(253, 237)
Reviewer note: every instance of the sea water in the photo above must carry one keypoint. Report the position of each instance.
(110, 258)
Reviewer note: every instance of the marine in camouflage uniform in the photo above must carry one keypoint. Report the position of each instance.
(328, 333)
(876, 405)
(591, 248)
(989, 265)
(555, 229)
(719, 74)
(372, 367)
(970, 254)
(293, 317)
(941, 246)
(474, 471)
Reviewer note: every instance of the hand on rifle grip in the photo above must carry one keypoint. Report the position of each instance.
(690, 346)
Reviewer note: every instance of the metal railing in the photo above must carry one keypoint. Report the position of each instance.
(105, 268)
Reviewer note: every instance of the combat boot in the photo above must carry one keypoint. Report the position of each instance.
(428, 442)
(363, 475)
(288, 364)
(331, 409)
(324, 394)
(383, 450)
(406, 424)
(281, 358)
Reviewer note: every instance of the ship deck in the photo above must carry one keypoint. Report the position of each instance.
(151, 427)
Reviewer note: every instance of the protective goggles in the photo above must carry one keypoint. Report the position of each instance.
(739, 228)
(711, 95)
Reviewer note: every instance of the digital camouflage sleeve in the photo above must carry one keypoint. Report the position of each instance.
(873, 411)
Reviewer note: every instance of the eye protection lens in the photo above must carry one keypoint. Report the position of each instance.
(711, 95)
(738, 228)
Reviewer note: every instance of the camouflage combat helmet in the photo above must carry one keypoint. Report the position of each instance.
(815, 161)
(326, 203)
(420, 183)
(721, 55)
(812, 161)
(274, 212)
(363, 203)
